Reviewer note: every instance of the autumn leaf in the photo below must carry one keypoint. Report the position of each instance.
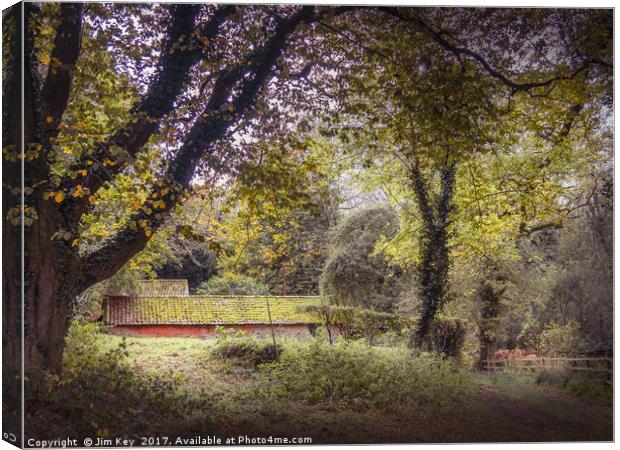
(59, 197)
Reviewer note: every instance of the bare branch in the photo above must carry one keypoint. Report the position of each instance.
(438, 37)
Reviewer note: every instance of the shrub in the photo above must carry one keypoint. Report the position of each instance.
(355, 374)
(589, 387)
(560, 339)
(232, 284)
(356, 323)
(248, 352)
(581, 385)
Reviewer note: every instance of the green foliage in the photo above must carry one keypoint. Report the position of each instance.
(561, 339)
(352, 374)
(232, 284)
(88, 305)
(247, 351)
(274, 220)
(355, 273)
(581, 385)
(100, 393)
(355, 323)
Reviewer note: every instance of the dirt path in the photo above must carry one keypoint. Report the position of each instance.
(545, 414)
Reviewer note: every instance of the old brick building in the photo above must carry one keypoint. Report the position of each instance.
(164, 308)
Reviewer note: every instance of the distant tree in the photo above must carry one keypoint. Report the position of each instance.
(232, 284)
(275, 220)
(356, 274)
(196, 265)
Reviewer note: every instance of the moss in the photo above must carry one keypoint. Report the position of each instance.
(211, 310)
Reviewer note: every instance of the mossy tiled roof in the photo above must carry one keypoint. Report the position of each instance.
(207, 310)
(163, 287)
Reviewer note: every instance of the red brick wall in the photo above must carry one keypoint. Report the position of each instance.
(299, 331)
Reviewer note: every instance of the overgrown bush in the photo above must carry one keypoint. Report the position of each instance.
(248, 352)
(100, 392)
(356, 323)
(232, 284)
(357, 375)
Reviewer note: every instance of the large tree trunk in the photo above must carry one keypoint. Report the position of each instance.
(432, 272)
(50, 284)
(11, 329)
(36, 314)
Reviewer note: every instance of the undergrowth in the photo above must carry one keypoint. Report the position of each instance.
(247, 351)
(100, 392)
(354, 374)
(581, 385)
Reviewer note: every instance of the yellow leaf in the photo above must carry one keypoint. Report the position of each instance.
(148, 232)
(83, 172)
(59, 197)
(79, 191)
(91, 199)
(49, 119)
(75, 242)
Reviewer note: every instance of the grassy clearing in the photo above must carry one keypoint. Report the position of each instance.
(343, 394)
(500, 407)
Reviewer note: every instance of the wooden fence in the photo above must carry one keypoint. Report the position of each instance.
(600, 365)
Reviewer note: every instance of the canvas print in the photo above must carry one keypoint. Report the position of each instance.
(238, 224)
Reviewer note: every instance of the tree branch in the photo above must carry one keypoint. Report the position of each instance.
(174, 67)
(213, 124)
(421, 191)
(57, 87)
(459, 51)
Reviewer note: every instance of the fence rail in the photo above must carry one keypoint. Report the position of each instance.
(600, 365)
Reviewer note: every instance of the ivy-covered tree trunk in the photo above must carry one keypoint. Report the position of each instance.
(432, 272)
(489, 298)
